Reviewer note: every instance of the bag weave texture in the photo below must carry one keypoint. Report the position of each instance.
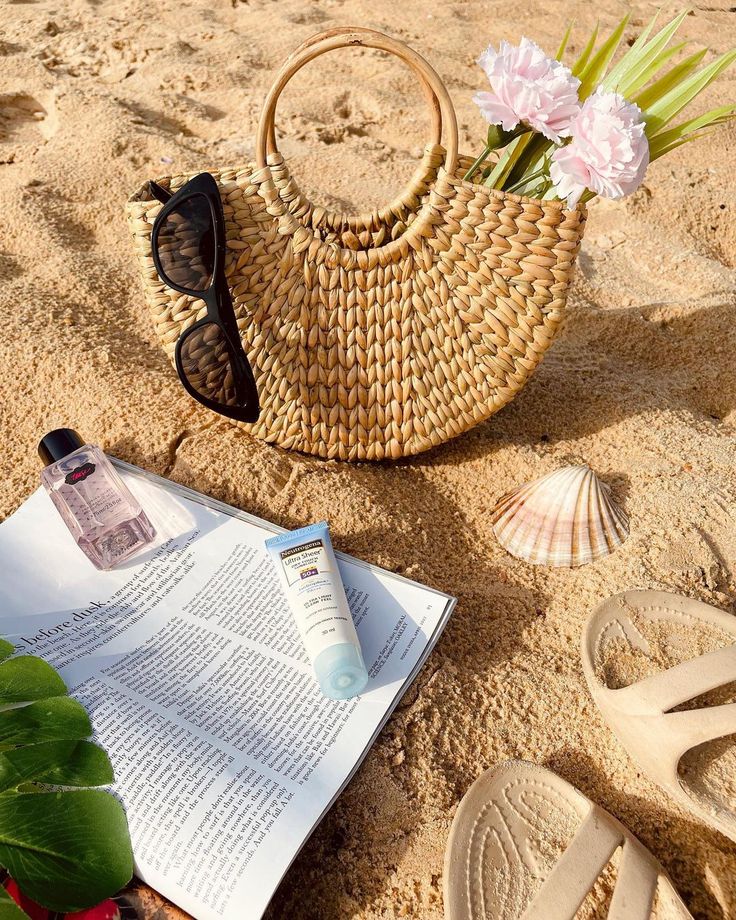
(382, 335)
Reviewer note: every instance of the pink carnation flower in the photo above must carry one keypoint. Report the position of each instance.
(528, 87)
(608, 153)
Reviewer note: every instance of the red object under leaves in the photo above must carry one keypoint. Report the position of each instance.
(107, 910)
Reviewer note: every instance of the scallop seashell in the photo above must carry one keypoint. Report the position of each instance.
(566, 518)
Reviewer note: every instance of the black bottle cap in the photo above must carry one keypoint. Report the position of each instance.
(58, 444)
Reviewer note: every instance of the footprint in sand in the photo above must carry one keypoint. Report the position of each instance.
(9, 267)
(8, 48)
(313, 17)
(24, 120)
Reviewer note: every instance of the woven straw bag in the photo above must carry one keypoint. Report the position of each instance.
(385, 334)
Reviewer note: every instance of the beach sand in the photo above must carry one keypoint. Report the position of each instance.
(98, 96)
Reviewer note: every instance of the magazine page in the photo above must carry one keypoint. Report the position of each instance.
(187, 658)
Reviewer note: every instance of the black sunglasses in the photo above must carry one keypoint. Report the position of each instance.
(188, 243)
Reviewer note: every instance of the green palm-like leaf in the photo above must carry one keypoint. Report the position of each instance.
(660, 112)
(631, 56)
(508, 159)
(665, 83)
(582, 62)
(651, 71)
(529, 160)
(565, 39)
(67, 849)
(633, 66)
(595, 69)
(663, 148)
(689, 130)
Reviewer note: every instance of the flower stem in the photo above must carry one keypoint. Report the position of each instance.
(478, 163)
(505, 162)
(527, 161)
(537, 174)
(497, 138)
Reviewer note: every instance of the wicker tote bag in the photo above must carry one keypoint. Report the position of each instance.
(381, 335)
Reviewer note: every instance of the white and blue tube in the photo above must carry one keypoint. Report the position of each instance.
(309, 575)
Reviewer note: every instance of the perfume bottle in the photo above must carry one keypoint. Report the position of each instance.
(106, 521)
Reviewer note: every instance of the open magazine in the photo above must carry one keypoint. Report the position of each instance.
(187, 658)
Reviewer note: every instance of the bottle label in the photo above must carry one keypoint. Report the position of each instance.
(79, 474)
(317, 597)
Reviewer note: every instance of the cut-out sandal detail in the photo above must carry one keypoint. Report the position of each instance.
(526, 845)
(640, 714)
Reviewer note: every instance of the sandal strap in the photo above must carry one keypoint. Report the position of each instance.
(636, 885)
(577, 870)
(582, 863)
(667, 689)
(696, 726)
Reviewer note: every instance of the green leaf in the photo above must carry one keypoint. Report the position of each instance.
(640, 57)
(530, 179)
(594, 71)
(57, 719)
(653, 69)
(664, 84)
(496, 139)
(9, 910)
(68, 850)
(632, 55)
(55, 763)
(689, 130)
(714, 117)
(565, 40)
(477, 163)
(581, 63)
(507, 160)
(28, 678)
(659, 113)
(528, 161)
(663, 148)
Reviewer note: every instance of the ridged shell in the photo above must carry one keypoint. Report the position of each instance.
(566, 518)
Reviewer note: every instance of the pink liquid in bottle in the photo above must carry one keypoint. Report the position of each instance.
(105, 519)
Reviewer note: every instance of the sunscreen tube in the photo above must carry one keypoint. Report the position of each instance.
(308, 571)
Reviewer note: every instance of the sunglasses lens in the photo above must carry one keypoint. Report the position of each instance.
(206, 364)
(186, 244)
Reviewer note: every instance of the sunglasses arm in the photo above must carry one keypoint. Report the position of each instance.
(159, 192)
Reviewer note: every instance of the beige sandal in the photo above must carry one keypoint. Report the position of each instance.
(640, 713)
(526, 845)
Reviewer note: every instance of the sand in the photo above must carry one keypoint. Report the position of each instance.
(98, 96)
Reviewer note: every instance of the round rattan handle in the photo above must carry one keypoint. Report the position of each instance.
(345, 38)
(432, 100)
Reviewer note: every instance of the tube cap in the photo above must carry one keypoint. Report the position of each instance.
(58, 444)
(340, 671)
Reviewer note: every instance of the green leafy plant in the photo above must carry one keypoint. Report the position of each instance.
(66, 845)
(9, 910)
(646, 75)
